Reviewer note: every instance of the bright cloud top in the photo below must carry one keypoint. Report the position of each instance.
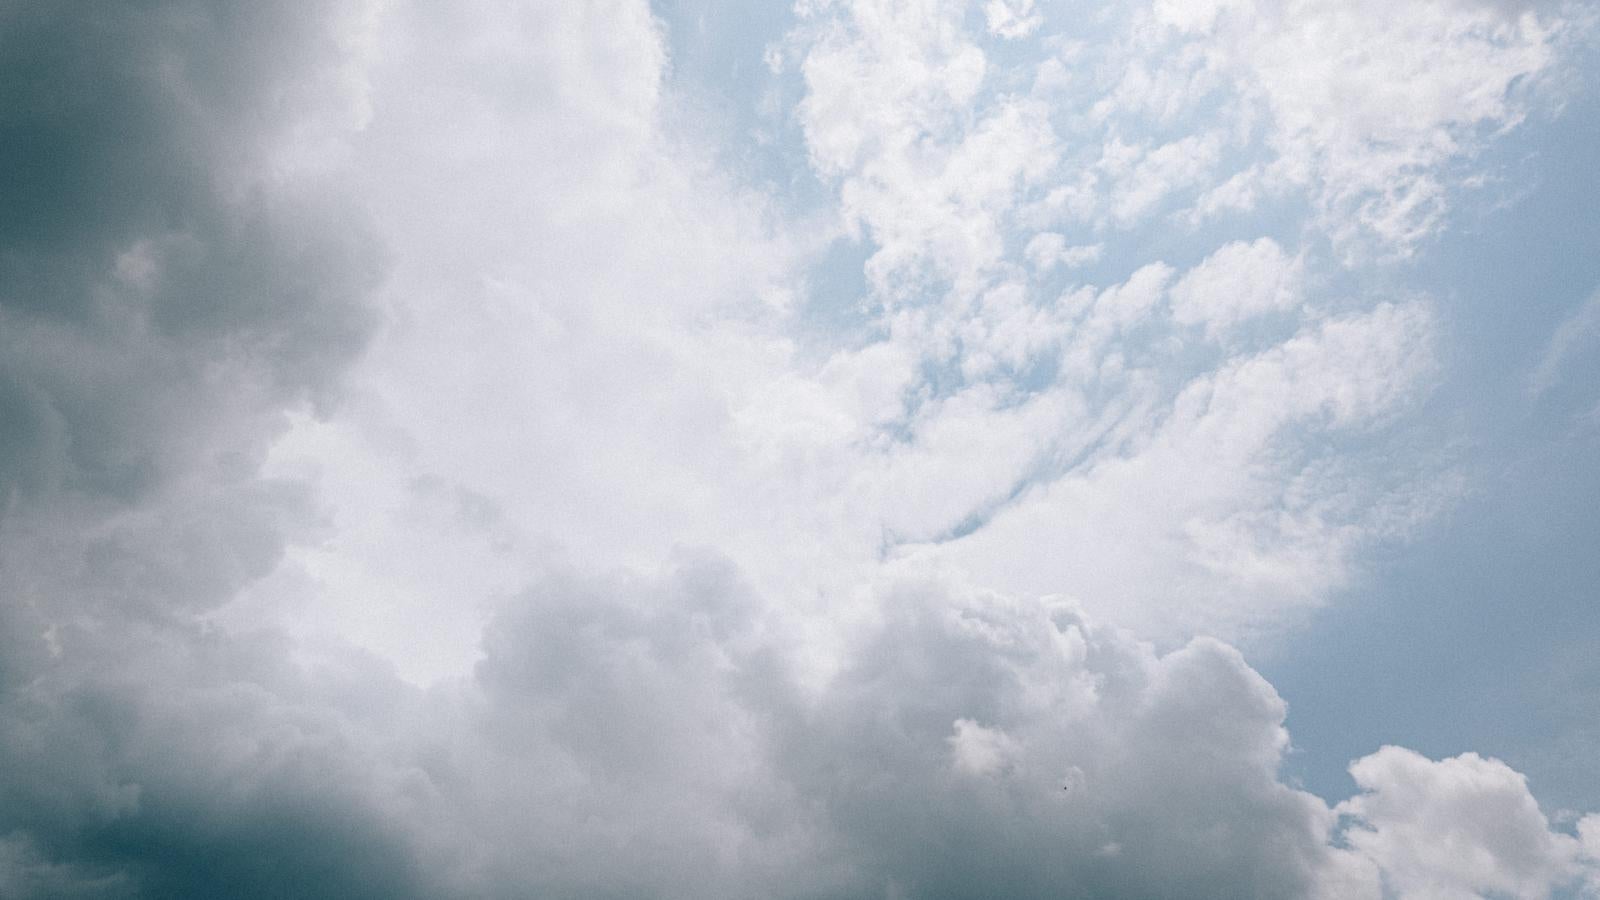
(448, 456)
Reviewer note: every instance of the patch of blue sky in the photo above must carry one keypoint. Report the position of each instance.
(1484, 631)
(719, 70)
(837, 307)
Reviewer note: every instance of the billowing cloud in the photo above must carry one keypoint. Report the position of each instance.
(179, 269)
(660, 735)
(1461, 827)
(431, 466)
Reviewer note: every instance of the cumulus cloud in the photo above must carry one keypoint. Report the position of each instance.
(1460, 827)
(1049, 249)
(178, 271)
(1235, 284)
(172, 286)
(656, 734)
(367, 369)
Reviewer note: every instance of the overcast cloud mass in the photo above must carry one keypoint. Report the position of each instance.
(862, 448)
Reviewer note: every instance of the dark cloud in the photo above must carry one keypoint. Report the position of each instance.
(171, 280)
(162, 286)
(193, 764)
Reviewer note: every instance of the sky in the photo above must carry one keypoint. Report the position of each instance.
(855, 448)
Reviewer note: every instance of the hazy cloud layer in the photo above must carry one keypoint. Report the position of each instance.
(433, 464)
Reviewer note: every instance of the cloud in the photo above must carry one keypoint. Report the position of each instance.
(172, 285)
(960, 742)
(887, 115)
(367, 371)
(169, 288)
(1123, 772)
(1417, 86)
(1048, 249)
(1236, 283)
(1460, 827)
(1579, 328)
(655, 734)
(178, 271)
(1070, 382)
(1197, 502)
(1013, 19)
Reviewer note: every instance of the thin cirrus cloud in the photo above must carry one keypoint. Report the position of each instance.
(428, 471)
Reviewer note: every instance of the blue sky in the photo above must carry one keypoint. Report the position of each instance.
(849, 448)
(1477, 632)
(1480, 633)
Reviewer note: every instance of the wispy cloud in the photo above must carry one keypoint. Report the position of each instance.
(1577, 332)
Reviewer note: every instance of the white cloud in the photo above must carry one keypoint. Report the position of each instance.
(1462, 827)
(1370, 103)
(1011, 18)
(1578, 329)
(1236, 283)
(1200, 502)
(1142, 177)
(1048, 249)
(630, 691)
(888, 113)
(559, 254)
(977, 750)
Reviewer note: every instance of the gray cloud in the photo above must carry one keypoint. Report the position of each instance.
(164, 288)
(660, 736)
(654, 737)
(170, 283)
(1117, 773)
